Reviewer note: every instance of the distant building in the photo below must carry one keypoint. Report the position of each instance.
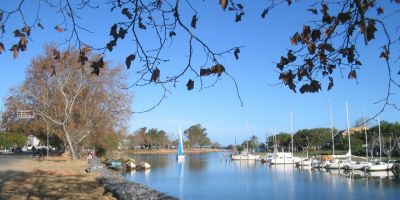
(353, 130)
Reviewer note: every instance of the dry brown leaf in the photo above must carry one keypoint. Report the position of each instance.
(59, 29)
(223, 3)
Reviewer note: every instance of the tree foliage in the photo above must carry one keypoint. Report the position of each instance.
(197, 135)
(252, 143)
(281, 141)
(10, 139)
(149, 138)
(65, 95)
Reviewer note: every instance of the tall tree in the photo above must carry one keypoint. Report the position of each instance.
(61, 88)
(197, 135)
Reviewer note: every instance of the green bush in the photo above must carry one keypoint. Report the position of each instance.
(9, 140)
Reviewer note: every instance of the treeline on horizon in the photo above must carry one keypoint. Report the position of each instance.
(152, 138)
(319, 140)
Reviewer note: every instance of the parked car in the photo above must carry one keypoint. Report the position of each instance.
(17, 150)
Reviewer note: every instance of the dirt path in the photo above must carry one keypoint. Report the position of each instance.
(21, 177)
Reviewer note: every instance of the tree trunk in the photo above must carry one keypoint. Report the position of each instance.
(71, 149)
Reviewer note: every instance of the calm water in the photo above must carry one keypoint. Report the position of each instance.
(206, 176)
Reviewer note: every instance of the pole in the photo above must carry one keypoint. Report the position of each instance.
(331, 119)
(47, 145)
(366, 137)
(291, 127)
(380, 148)
(348, 128)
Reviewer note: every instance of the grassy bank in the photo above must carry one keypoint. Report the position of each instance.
(22, 177)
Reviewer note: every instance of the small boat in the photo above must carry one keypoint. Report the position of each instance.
(337, 164)
(358, 165)
(244, 156)
(283, 158)
(317, 164)
(304, 162)
(180, 155)
(379, 166)
(130, 164)
(143, 166)
(115, 164)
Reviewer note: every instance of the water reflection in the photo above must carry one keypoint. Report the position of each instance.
(244, 164)
(196, 162)
(211, 176)
(181, 175)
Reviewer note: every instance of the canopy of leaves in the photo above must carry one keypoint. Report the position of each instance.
(10, 139)
(197, 135)
(69, 99)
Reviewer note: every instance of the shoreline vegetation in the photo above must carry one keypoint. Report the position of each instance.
(174, 151)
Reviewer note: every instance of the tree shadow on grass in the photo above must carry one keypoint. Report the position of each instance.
(22, 185)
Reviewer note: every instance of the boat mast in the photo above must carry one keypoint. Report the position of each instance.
(380, 148)
(348, 128)
(291, 127)
(275, 144)
(366, 137)
(331, 119)
(247, 141)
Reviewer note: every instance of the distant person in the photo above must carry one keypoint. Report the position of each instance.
(33, 149)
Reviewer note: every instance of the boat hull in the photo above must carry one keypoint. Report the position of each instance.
(130, 165)
(245, 157)
(380, 167)
(143, 166)
(180, 157)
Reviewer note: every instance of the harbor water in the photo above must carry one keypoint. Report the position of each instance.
(214, 176)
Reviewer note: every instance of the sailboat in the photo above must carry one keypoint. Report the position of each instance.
(326, 159)
(339, 164)
(244, 155)
(180, 155)
(379, 165)
(286, 157)
(365, 164)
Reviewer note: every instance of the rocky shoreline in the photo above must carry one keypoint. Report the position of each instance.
(121, 188)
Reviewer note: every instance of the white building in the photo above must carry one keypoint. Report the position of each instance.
(32, 141)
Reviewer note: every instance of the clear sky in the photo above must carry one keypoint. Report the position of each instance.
(266, 108)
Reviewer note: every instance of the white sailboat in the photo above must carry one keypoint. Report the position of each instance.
(286, 157)
(379, 166)
(283, 158)
(365, 164)
(180, 155)
(245, 155)
(342, 164)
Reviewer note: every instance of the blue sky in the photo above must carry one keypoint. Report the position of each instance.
(266, 108)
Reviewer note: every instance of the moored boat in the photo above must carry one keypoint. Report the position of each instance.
(130, 164)
(143, 166)
(379, 166)
(115, 164)
(358, 165)
(283, 158)
(303, 162)
(244, 156)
